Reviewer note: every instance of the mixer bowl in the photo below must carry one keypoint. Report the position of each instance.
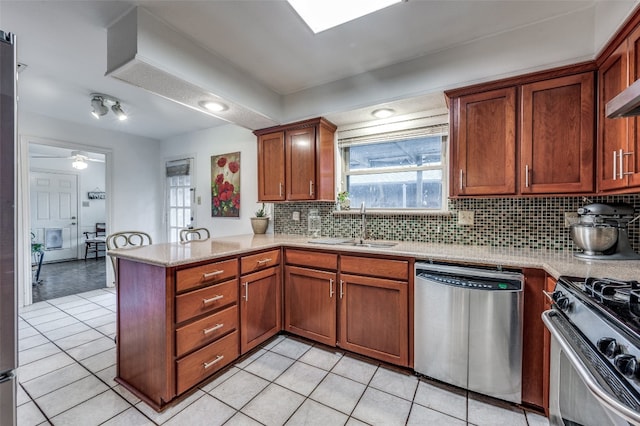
(593, 239)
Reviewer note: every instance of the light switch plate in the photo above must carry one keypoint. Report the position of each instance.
(296, 216)
(465, 217)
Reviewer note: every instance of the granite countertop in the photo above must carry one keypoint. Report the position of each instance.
(555, 263)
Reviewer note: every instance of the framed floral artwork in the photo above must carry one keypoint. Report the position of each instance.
(225, 185)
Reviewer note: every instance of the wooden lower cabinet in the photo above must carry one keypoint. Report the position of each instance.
(535, 354)
(358, 303)
(374, 318)
(260, 307)
(310, 300)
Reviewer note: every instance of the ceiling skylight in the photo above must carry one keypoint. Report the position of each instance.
(325, 14)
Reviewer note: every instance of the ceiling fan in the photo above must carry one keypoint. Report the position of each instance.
(79, 158)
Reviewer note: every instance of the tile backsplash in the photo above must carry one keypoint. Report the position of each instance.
(502, 222)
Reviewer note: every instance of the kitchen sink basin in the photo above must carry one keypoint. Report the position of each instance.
(372, 244)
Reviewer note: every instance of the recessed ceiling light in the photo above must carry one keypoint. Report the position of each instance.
(383, 113)
(213, 106)
(322, 15)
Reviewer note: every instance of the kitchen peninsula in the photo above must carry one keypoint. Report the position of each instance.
(187, 310)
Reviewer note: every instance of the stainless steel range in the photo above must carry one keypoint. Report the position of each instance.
(595, 352)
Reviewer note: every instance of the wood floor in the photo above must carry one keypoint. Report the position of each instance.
(65, 278)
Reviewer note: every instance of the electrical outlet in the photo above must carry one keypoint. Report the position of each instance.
(296, 216)
(465, 217)
(570, 218)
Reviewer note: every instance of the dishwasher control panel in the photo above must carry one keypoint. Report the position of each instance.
(470, 282)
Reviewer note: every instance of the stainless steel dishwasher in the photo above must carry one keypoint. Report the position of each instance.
(468, 328)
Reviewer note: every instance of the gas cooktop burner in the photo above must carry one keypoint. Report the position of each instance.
(618, 300)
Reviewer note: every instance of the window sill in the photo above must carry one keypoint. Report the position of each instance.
(391, 212)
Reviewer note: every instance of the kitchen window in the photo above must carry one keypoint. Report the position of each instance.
(398, 170)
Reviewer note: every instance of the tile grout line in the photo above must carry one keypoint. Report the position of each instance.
(91, 373)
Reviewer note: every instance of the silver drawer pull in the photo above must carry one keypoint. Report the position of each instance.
(263, 261)
(212, 329)
(212, 299)
(214, 362)
(212, 274)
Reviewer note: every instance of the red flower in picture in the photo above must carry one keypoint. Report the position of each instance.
(225, 185)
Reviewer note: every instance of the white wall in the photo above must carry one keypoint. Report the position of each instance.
(94, 176)
(135, 188)
(215, 141)
(133, 180)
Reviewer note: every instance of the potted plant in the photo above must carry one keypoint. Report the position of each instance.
(343, 200)
(260, 222)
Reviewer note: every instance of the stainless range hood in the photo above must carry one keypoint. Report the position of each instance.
(625, 104)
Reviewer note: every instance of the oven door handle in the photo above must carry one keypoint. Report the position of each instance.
(592, 384)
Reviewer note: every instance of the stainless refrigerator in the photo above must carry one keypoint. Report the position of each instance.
(8, 293)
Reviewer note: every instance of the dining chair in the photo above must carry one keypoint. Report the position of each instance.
(124, 239)
(194, 234)
(94, 241)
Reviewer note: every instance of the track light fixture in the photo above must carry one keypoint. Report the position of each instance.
(99, 104)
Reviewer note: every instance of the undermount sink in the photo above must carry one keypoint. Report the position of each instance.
(373, 244)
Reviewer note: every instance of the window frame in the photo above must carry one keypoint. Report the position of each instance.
(406, 133)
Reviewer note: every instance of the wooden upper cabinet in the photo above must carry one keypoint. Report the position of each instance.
(484, 155)
(557, 135)
(613, 133)
(301, 164)
(297, 161)
(271, 171)
(633, 144)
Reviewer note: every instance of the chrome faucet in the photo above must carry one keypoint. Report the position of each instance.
(363, 234)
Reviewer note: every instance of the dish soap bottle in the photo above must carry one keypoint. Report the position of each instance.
(314, 223)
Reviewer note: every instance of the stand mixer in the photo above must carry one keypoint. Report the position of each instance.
(602, 232)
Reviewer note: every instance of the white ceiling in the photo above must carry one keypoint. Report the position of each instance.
(64, 44)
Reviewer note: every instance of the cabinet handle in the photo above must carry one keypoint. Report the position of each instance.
(246, 292)
(330, 288)
(461, 179)
(341, 292)
(626, 154)
(526, 176)
(615, 165)
(621, 164)
(311, 188)
(213, 299)
(263, 261)
(214, 362)
(212, 329)
(212, 274)
(280, 188)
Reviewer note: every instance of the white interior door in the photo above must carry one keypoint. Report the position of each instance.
(54, 214)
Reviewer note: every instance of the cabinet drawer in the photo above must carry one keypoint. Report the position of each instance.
(201, 364)
(386, 268)
(206, 330)
(205, 300)
(199, 275)
(256, 262)
(311, 258)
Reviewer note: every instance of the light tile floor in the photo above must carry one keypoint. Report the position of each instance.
(67, 366)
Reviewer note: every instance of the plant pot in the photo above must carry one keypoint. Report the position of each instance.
(259, 224)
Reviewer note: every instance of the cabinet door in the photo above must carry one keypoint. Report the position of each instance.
(533, 355)
(485, 157)
(260, 307)
(633, 155)
(557, 135)
(374, 318)
(301, 164)
(310, 304)
(271, 166)
(613, 133)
